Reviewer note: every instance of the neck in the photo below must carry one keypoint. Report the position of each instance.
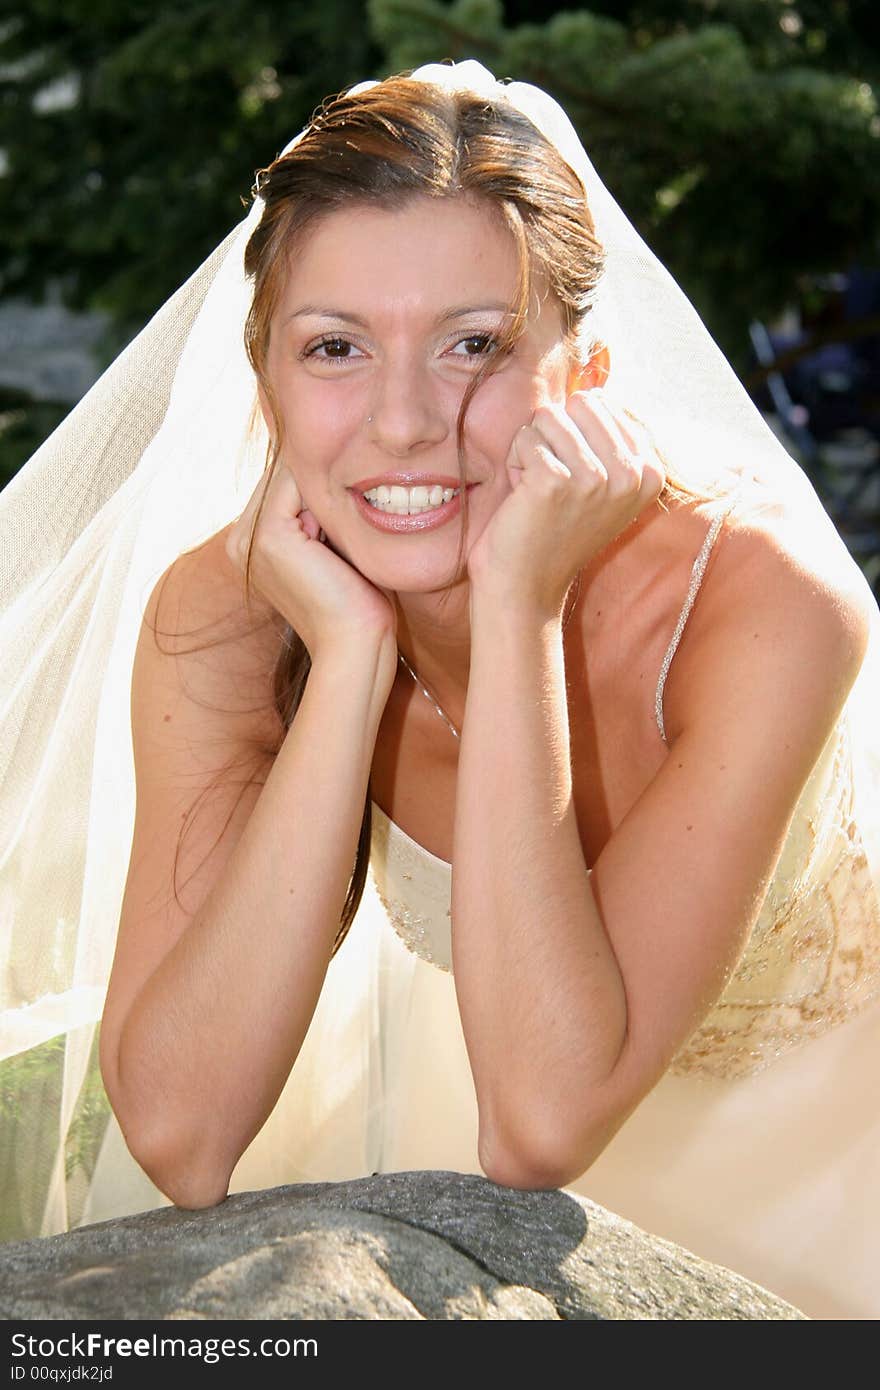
(434, 635)
(433, 628)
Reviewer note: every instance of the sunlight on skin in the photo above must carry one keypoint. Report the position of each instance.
(385, 316)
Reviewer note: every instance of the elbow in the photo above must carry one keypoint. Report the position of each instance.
(508, 1168)
(177, 1158)
(192, 1191)
(541, 1161)
(185, 1172)
(551, 1142)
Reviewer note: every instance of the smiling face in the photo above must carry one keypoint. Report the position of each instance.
(384, 319)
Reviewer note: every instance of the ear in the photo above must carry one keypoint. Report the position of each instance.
(585, 375)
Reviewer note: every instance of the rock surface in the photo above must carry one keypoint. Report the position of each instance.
(395, 1246)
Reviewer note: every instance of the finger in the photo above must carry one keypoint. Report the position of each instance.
(593, 416)
(637, 435)
(601, 433)
(653, 480)
(613, 437)
(286, 498)
(276, 498)
(566, 440)
(516, 465)
(533, 451)
(533, 457)
(310, 525)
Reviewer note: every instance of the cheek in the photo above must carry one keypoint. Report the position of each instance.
(503, 404)
(318, 428)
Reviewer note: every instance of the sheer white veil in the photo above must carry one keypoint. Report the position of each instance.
(159, 455)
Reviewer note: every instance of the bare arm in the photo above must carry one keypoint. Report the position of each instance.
(209, 1002)
(540, 991)
(576, 991)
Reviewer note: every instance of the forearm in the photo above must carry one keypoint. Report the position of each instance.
(541, 996)
(210, 1040)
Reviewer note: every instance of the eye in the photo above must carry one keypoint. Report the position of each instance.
(331, 349)
(475, 345)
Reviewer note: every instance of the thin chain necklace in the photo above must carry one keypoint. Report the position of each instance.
(428, 696)
(436, 703)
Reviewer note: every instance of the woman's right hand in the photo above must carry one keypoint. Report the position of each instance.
(327, 602)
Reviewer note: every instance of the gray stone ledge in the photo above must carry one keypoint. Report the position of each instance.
(400, 1246)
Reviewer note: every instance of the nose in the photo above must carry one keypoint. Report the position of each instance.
(409, 410)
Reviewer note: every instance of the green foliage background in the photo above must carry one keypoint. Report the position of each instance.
(741, 136)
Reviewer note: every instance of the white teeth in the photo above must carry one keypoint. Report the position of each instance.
(409, 501)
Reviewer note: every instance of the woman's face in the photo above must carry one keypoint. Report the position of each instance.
(385, 317)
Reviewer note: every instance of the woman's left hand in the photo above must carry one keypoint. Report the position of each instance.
(579, 474)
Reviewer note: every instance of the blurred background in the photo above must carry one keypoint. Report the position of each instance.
(742, 137)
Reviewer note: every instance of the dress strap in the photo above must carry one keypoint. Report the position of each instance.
(697, 572)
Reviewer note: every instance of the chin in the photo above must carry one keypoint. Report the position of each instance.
(422, 571)
(416, 578)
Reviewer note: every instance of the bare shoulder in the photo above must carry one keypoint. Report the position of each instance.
(203, 588)
(795, 544)
(783, 607)
(790, 569)
(204, 644)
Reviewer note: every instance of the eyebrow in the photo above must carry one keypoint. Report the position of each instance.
(459, 312)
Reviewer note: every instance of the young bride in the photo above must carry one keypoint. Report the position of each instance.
(500, 764)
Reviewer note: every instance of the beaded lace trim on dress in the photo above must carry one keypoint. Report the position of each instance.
(415, 888)
(813, 957)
